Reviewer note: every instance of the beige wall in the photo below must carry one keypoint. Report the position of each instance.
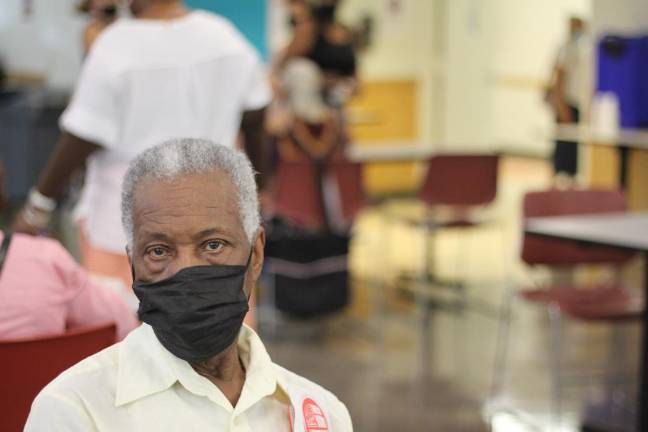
(620, 16)
(500, 52)
(404, 49)
(480, 66)
(48, 43)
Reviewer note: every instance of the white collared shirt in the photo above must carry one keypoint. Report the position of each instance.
(137, 385)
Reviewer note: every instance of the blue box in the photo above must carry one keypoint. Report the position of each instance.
(622, 69)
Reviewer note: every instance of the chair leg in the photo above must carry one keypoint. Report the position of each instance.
(615, 392)
(423, 300)
(555, 362)
(502, 344)
(429, 269)
(461, 283)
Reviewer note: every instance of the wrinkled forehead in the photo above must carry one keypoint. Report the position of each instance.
(187, 203)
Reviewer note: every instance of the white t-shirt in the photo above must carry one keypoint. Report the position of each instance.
(137, 385)
(575, 58)
(146, 81)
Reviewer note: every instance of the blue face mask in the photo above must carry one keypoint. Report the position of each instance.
(198, 312)
(577, 35)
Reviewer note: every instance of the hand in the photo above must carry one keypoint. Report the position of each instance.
(565, 114)
(277, 86)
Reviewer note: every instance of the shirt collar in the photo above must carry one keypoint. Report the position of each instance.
(260, 372)
(146, 368)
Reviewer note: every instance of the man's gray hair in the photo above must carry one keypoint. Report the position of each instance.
(176, 157)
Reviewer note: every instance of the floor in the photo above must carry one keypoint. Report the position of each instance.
(403, 361)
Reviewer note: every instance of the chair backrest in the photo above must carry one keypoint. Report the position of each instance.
(28, 365)
(349, 179)
(558, 252)
(297, 194)
(460, 180)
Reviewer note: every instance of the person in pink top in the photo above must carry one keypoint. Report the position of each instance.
(43, 291)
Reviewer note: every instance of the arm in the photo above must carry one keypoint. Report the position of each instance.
(70, 154)
(562, 107)
(88, 302)
(91, 120)
(255, 141)
(556, 90)
(85, 302)
(95, 304)
(302, 42)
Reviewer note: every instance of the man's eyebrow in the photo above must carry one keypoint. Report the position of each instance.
(211, 231)
(148, 236)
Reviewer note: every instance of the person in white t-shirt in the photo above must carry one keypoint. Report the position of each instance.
(165, 73)
(568, 94)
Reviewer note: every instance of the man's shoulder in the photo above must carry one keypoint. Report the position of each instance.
(89, 375)
(91, 378)
(297, 385)
(66, 403)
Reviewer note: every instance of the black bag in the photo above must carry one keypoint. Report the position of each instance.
(310, 270)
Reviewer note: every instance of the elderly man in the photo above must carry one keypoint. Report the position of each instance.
(190, 212)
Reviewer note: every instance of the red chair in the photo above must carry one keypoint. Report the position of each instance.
(556, 253)
(28, 365)
(349, 179)
(454, 188)
(460, 182)
(297, 194)
(608, 301)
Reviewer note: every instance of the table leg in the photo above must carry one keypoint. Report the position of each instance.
(642, 415)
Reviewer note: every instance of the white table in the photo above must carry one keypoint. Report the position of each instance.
(634, 138)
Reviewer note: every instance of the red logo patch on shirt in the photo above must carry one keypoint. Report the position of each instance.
(314, 419)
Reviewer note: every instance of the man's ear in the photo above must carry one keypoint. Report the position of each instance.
(130, 262)
(258, 252)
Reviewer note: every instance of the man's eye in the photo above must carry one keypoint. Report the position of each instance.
(213, 245)
(157, 252)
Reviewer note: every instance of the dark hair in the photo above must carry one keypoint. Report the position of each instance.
(324, 13)
(109, 11)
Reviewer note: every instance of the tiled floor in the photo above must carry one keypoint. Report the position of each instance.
(399, 368)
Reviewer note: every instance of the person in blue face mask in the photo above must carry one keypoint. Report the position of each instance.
(568, 93)
(191, 216)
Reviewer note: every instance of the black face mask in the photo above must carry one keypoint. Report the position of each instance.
(198, 312)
